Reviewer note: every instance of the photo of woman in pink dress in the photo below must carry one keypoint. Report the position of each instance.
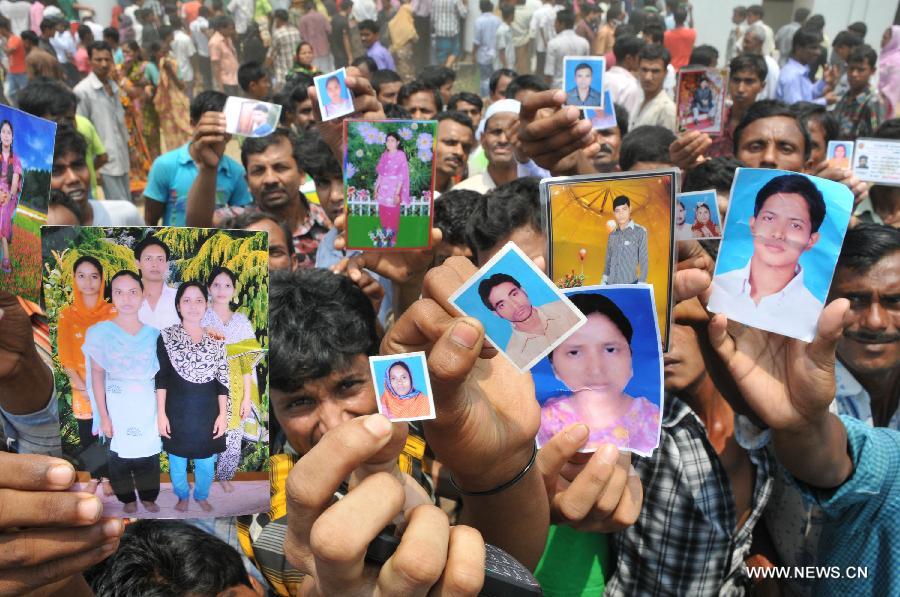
(10, 189)
(392, 186)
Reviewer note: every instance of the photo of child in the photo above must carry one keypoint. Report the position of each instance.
(162, 366)
(389, 183)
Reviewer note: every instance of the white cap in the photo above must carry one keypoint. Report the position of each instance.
(505, 105)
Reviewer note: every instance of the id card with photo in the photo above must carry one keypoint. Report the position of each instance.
(251, 118)
(335, 99)
(402, 386)
(878, 161)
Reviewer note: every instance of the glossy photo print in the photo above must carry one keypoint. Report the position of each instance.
(700, 95)
(159, 342)
(403, 386)
(26, 161)
(389, 183)
(602, 118)
(878, 161)
(524, 315)
(840, 153)
(697, 216)
(251, 118)
(583, 81)
(335, 100)
(613, 229)
(608, 374)
(783, 234)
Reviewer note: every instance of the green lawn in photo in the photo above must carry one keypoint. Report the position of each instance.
(414, 231)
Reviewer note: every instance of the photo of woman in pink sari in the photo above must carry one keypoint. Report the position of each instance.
(10, 188)
(392, 186)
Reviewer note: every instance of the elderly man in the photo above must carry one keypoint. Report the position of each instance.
(494, 135)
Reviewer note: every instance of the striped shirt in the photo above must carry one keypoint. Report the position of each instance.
(626, 249)
(445, 16)
(284, 44)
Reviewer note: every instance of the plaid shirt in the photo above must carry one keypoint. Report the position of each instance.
(308, 234)
(685, 542)
(859, 115)
(445, 16)
(626, 249)
(284, 43)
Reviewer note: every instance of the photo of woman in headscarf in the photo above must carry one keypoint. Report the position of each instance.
(595, 364)
(121, 356)
(703, 226)
(192, 396)
(401, 400)
(244, 352)
(392, 185)
(336, 101)
(10, 189)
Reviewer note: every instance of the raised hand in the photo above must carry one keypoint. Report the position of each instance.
(689, 149)
(549, 133)
(208, 143)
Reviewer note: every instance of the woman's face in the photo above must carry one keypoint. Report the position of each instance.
(87, 279)
(127, 295)
(221, 290)
(886, 37)
(596, 357)
(192, 305)
(392, 144)
(6, 135)
(702, 214)
(127, 53)
(333, 88)
(400, 380)
(305, 54)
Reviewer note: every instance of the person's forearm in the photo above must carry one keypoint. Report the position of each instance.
(223, 405)
(99, 386)
(160, 403)
(217, 76)
(816, 454)
(201, 201)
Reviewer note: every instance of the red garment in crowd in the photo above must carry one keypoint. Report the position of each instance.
(680, 43)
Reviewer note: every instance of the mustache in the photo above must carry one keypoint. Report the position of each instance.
(783, 242)
(864, 337)
(605, 148)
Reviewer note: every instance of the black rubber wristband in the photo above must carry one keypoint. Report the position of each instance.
(499, 488)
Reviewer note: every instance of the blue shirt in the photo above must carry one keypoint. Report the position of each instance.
(173, 173)
(381, 56)
(794, 85)
(862, 524)
(486, 26)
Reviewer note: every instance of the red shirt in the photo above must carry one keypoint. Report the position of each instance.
(15, 49)
(190, 10)
(680, 42)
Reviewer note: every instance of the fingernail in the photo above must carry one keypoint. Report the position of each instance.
(61, 475)
(578, 433)
(89, 509)
(609, 454)
(464, 334)
(378, 425)
(112, 527)
(109, 547)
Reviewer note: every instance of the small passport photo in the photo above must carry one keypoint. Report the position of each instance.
(701, 99)
(161, 373)
(335, 99)
(608, 374)
(583, 81)
(403, 386)
(250, 117)
(613, 229)
(389, 183)
(840, 153)
(524, 315)
(783, 233)
(26, 161)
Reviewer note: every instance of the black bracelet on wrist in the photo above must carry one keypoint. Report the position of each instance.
(499, 488)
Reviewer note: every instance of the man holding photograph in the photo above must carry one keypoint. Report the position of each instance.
(534, 329)
(627, 261)
(769, 293)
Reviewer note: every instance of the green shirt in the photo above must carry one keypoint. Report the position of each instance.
(573, 563)
(94, 147)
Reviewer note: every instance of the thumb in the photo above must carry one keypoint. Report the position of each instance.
(822, 349)
(721, 342)
(559, 450)
(450, 361)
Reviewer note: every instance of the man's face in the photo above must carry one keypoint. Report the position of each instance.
(744, 86)
(273, 176)
(818, 147)
(886, 203)
(101, 63)
(683, 364)
(470, 110)
(774, 142)
(807, 54)
(70, 175)
(858, 74)
(737, 18)
(304, 115)
(510, 302)
(679, 213)
(500, 93)
(752, 44)
(446, 91)
(842, 51)
(782, 230)
(152, 264)
(331, 195)
(367, 37)
(279, 257)
(454, 143)
(495, 140)
(320, 405)
(387, 92)
(258, 118)
(622, 214)
(752, 18)
(583, 80)
(421, 105)
(871, 342)
(260, 88)
(652, 74)
(610, 140)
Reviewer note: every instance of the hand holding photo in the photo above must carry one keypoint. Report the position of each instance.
(697, 216)
(878, 161)
(389, 183)
(335, 99)
(783, 234)
(700, 95)
(605, 118)
(403, 387)
(524, 315)
(583, 81)
(608, 374)
(250, 118)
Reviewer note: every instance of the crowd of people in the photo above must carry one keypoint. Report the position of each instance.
(774, 452)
